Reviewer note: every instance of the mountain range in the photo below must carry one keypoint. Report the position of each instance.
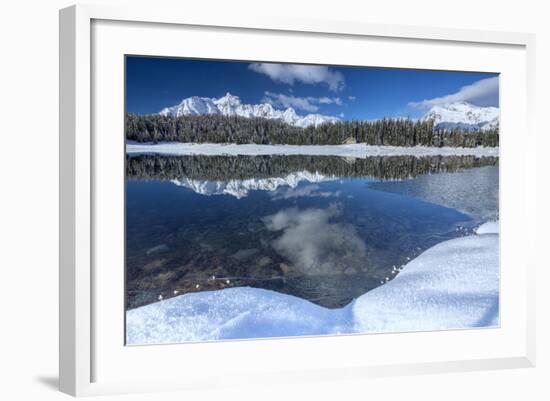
(461, 115)
(464, 115)
(230, 105)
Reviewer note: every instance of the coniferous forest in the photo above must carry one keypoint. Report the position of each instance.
(222, 129)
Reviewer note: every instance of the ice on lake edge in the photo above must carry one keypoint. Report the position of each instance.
(453, 285)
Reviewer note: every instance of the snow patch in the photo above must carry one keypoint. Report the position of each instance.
(491, 227)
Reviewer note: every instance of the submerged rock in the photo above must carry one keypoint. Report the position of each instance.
(155, 264)
(244, 254)
(157, 249)
(264, 261)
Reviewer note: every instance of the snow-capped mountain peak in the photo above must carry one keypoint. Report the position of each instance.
(230, 105)
(192, 106)
(463, 115)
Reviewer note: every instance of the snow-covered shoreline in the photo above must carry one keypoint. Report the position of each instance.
(453, 285)
(359, 150)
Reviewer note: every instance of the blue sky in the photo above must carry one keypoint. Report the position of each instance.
(345, 92)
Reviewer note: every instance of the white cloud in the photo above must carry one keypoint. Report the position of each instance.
(314, 244)
(308, 74)
(327, 100)
(302, 103)
(481, 93)
(308, 191)
(352, 98)
(282, 100)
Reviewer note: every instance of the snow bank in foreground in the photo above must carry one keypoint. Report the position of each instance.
(454, 284)
(355, 150)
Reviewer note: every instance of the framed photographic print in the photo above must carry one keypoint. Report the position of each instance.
(270, 219)
(348, 196)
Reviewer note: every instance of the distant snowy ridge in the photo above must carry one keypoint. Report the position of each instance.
(453, 115)
(230, 105)
(357, 150)
(464, 115)
(453, 285)
(241, 188)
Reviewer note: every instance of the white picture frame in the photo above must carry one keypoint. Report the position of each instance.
(91, 40)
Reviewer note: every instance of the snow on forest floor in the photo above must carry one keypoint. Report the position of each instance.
(453, 285)
(353, 150)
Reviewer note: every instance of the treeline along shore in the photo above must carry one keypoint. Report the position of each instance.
(222, 129)
(224, 168)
